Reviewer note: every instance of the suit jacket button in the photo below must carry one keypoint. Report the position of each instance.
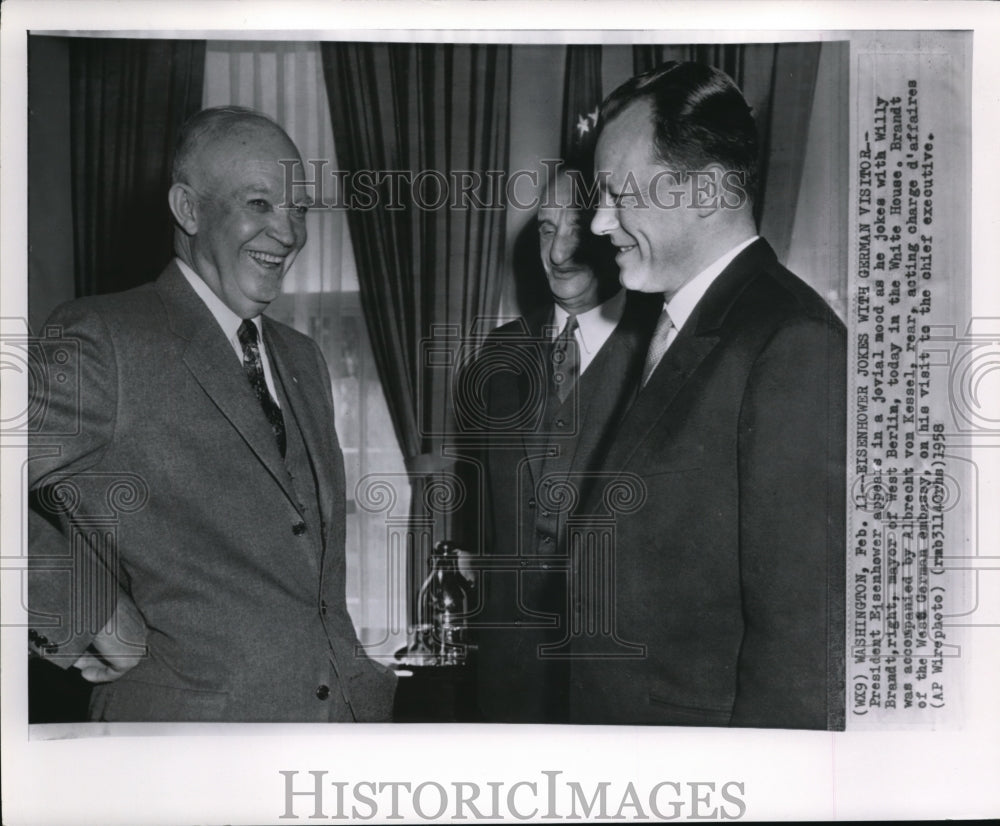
(322, 607)
(531, 503)
(299, 528)
(323, 692)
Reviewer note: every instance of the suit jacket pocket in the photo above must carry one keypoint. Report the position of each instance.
(135, 701)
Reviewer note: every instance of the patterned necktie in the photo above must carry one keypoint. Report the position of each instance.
(565, 360)
(657, 345)
(254, 369)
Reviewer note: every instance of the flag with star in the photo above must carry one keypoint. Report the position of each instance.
(581, 101)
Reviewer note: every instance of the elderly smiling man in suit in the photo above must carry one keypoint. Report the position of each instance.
(728, 580)
(219, 594)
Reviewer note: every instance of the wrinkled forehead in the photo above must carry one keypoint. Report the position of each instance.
(562, 201)
(252, 155)
(562, 215)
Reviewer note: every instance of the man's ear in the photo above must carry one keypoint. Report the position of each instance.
(183, 202)
(706, 189)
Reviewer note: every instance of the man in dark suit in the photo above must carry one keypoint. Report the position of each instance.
(728, 579)
(556, 379)
(188, 504)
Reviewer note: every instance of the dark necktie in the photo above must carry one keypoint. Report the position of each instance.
(565, 360)
(254, 369)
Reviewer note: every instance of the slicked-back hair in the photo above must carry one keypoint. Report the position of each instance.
(209, 125)
(700, 118)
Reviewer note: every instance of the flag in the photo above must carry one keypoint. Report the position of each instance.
(581, 102)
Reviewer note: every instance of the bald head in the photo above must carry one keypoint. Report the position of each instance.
(202, 133)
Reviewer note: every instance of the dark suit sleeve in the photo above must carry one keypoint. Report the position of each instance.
(73, 391)
(792, 510)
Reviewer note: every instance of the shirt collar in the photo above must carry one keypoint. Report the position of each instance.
(595, 325)
(687, 297)
(226, 318)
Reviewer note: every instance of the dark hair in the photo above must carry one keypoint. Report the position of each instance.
(208, 125)
(700, 117)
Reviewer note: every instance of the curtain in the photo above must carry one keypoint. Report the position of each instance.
(425, 274)
(818, 251)
(320, 298)
(125, 101)
(778, 81)
(128, 99)
(415, 108)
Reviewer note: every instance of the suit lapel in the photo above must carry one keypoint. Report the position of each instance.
(530, 440)
(609, 383)
(215, 366)
(654, 400)
(315, 434)
(695, 341)
(599, 390)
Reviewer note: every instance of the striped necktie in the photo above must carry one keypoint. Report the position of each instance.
(254, 368)
(565, 360)
(657, 345)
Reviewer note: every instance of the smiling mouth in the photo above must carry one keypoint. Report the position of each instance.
(624, 249)
(266, 259)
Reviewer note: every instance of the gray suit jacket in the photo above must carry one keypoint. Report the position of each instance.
(155, 474)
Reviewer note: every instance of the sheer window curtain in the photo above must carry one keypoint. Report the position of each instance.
(321, 299)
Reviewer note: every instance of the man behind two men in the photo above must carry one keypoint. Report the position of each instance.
(717, 597)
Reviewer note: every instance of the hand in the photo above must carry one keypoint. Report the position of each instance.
(119, 645)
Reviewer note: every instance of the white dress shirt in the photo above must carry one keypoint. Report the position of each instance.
(594, 327)
(230, 323)
(680, 307)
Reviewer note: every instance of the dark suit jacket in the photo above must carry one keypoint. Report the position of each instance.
(163, 475)
(529, 494)
(729, 578)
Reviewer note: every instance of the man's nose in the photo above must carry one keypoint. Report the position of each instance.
(564, 247)
(283, 227)
(605, 219)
